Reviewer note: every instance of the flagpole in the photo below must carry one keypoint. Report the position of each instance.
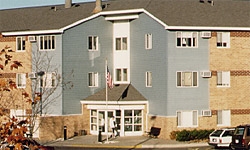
(106, 72)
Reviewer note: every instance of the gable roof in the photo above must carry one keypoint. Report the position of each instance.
(173, 13)
(121, 92)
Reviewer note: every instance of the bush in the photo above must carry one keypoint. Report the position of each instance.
(189, 135)
(184, 135)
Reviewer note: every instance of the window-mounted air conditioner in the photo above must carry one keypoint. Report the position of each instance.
(206, 74)
(32, 38)
(206, 34)
(32, 75)
(206, 113)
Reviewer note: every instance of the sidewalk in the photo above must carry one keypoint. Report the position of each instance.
(122, 142)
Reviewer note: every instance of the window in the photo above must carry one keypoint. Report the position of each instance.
(187, 39)
(93, 120)
(93, 79)
(132, 120)
(187, 118)
(48, 80)
(21, 80)
(20, 44)
(47, 42)
(187, 79)
(223, 117)
(121, 43)
(18, 114)
(121, 74)
(148, 41)
(223, 39)
(148, 79)
(223, 78)
(93, 43)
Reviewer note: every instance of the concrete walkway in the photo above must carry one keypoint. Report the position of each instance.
(123, 142)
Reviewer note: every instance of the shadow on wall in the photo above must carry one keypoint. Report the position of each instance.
(53, 127)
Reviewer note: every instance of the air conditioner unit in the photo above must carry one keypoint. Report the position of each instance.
(206, 113)
(206, 34)
(206, 74)
(32, 75)
(32, 38)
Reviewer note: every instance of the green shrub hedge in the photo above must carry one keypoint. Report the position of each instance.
(189, 135)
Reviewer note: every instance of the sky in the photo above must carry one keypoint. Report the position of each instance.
(9, 4)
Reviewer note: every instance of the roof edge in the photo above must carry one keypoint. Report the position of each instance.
(206, 28)
(114, 102)
(56, 31)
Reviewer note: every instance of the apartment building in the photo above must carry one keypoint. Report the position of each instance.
(175, 64)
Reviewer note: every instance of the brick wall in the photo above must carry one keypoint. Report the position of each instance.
(236, 60)
(14, 98)
(52, 127)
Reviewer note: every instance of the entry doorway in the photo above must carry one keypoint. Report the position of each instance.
(103, 120)
(104, 117)
(129, 120)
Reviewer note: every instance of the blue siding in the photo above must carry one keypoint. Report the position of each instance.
(154, 60)
(55, 65)
(164, 60)
(187, 59)
(77, 59)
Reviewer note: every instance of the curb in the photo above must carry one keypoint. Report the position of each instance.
(175, 145)
(103, 145)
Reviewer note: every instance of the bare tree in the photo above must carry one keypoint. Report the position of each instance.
(47, 85)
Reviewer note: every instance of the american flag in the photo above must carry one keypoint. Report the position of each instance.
(109, 79)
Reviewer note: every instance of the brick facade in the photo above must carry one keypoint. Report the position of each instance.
(14, 97)
(52, 127)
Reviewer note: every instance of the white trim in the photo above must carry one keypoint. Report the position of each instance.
(123, 17)
(113, 107)
(115, 102)
(206, 28)
(41, 32)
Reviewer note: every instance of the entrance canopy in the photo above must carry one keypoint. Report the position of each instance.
(120, 93)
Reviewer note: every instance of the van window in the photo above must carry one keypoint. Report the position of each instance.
(248, 131)
(239, 131)
(217, 133)
(228, 133)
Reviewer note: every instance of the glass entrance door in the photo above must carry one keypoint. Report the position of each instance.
(103, 120)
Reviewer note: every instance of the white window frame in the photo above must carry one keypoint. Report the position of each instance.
(187, 39)
(187, 78)
(93, 120)
(148, 41)
(223, 118)
(223, 78)
(148, 79)
(133, 120)
(93, 41)
(223, 39)
(121, 75)
(187, 118)
(49, 80)
(20, 44)
(121, 43)
(19, 114)
(93, 79)
(47, 42)
(21, 80)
